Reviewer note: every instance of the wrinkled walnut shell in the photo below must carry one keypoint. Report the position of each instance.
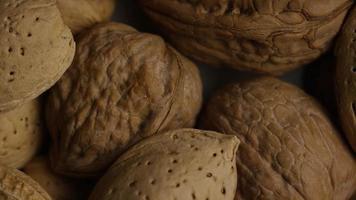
(36, 49)
(21, 134)
(122, 86)
(289, 148)
(267, 36)
(82, 14)
(346, 78)
(182, 164)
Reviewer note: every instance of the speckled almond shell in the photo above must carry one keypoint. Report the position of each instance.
(21, 134)
(82, 14)
(346, 78)
(182, 164)
(57, 186)
(36, 49)
(268, 36)
(122, 86)
(15, 185)
(289, 149)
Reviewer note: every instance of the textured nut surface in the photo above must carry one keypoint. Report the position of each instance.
(181, 164)
(58, 187)
(122, 86)
(21, 134)
(289, 149)
(346, 77)
(15, 185)
(270, 36)
(36, 49)
(81, 14)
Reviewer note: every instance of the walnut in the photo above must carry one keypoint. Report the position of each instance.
(270, 36)
(289, 149)
(122, 87)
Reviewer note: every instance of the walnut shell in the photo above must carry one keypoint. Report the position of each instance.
(289, 149)
(267, 36)
(36, 49)
(181, 164)
(58, 187)
(346, 78)
(21, 134)
(122, 86)
(82, 14)
(15, 185)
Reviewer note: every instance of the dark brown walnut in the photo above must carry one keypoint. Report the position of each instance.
(122, 87)
(346, 77)
(289, 149)
(270, 36)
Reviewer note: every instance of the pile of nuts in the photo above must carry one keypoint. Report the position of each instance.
(94, 109)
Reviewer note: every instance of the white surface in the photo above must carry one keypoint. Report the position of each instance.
(129, 12)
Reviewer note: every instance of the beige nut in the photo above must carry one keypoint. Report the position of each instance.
(346, 78)
(122, 86)
(82, 14)
(58, 187)
(269, 36)
(289, 149)
(21, 134)
(15, 185)
(36, 49)
(181, 164)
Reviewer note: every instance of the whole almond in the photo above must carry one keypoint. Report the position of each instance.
(181, 164)
(36, 49)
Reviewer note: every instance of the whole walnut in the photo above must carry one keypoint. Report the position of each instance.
(81, 14)
(122, 86)
(269, 36)
(182, 164)
(36, 49)
(289, 149)
(57, 186)
(345, 78)
(21, 134)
